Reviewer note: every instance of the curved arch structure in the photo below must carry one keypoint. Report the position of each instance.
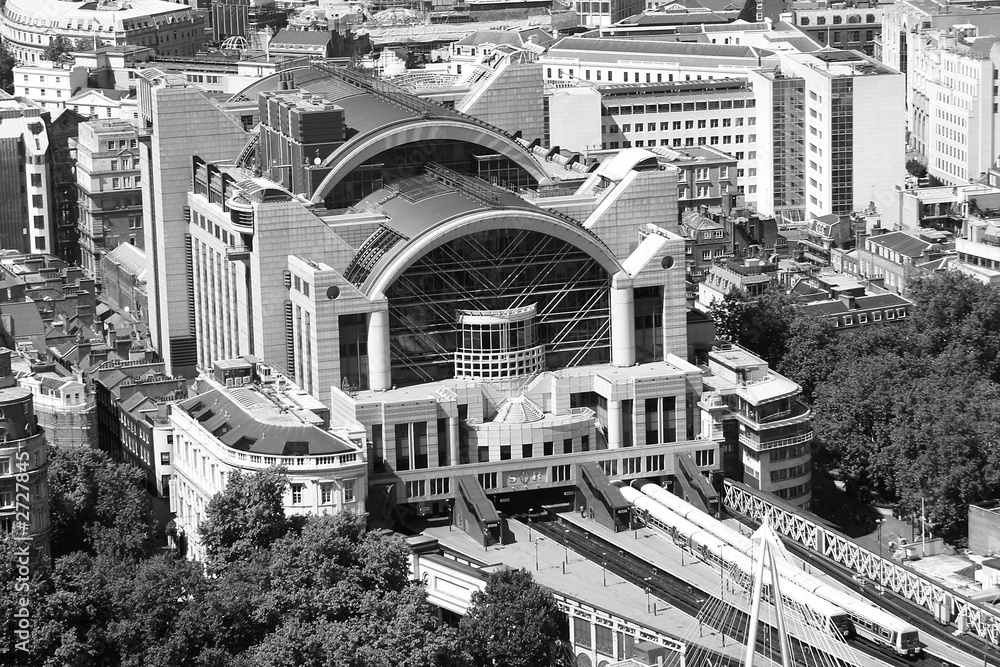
(449, 230)
(379, 118)
(363, 147)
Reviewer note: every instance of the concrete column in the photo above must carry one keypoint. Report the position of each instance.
(622, 321)
(379, 359)
(614, 424)
(453, 455)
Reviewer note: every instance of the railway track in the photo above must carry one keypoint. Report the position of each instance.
(673, 590)
(902, 607)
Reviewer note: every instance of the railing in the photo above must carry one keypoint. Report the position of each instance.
(752, 441)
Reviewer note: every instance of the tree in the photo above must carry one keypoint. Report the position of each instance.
(247, 516)
(811, 353)
(58, 50)
(96, 505)
(512, 622)
(915, 167)
(760, 324)
(8, 61)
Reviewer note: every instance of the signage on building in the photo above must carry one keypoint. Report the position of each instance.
(522, 478)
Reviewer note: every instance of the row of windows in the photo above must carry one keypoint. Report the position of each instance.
(875, 316)
(790, 473)
(326, 492)
(838, 20)
(676, 125)
(676, 107)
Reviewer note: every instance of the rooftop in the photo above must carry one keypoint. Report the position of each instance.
(248, 419)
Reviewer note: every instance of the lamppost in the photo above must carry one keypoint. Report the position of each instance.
(647, 580)
(604, 567)
(537, 540)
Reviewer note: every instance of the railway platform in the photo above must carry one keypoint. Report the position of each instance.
(573, 575)
(646, 543)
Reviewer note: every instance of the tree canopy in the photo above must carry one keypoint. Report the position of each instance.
(333, 593)
(8, 61)
(513, 622)
(96, 505)
(247, 516)
(902, 410)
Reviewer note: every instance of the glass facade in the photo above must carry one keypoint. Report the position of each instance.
(498, 270)
(842, 144)
(789, 147)
(410, 159)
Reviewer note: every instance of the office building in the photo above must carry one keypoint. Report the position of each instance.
(834, 136)
(247, 418)
(110, 190)
(179, 121)
(26, 192)
(433, 285)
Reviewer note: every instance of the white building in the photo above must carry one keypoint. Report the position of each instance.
(952, 73)
(50, 84)
(830, 135)
(26, 211)
(249, 419)
(28, 26)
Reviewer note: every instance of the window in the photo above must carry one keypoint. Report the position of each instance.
(296, 494)
(568, 446)
(547, 449)
(349, 491)
(6, 498)
(706, 255)
(39, 222)
(704, 457)
(415, 488)
(4, 466)
(36, 180)
(116, 183)
(165, 458)
(326, 494)
(114, 165)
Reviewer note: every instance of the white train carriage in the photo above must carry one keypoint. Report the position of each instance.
(869, 621)
(819, 613)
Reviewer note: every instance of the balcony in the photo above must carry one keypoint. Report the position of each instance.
(753, 441)
(237, 252)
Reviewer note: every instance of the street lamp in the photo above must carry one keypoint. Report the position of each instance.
(537, 540)
(647, 580)
(604, 567)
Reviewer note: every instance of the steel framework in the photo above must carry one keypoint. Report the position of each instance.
(947, 605)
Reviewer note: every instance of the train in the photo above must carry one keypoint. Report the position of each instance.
(823, 616)
(867, 621)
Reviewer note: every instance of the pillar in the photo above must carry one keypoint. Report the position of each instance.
(379, 358)
(614, 424)
(453, 455)
(622, 321)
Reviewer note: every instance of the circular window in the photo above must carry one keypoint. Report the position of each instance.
(332, 292)
(667, 262)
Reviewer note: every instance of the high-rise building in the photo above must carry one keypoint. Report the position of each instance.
(110, 190)
(830, 135)
(242, 18)
(178, 122)
(26, 202)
